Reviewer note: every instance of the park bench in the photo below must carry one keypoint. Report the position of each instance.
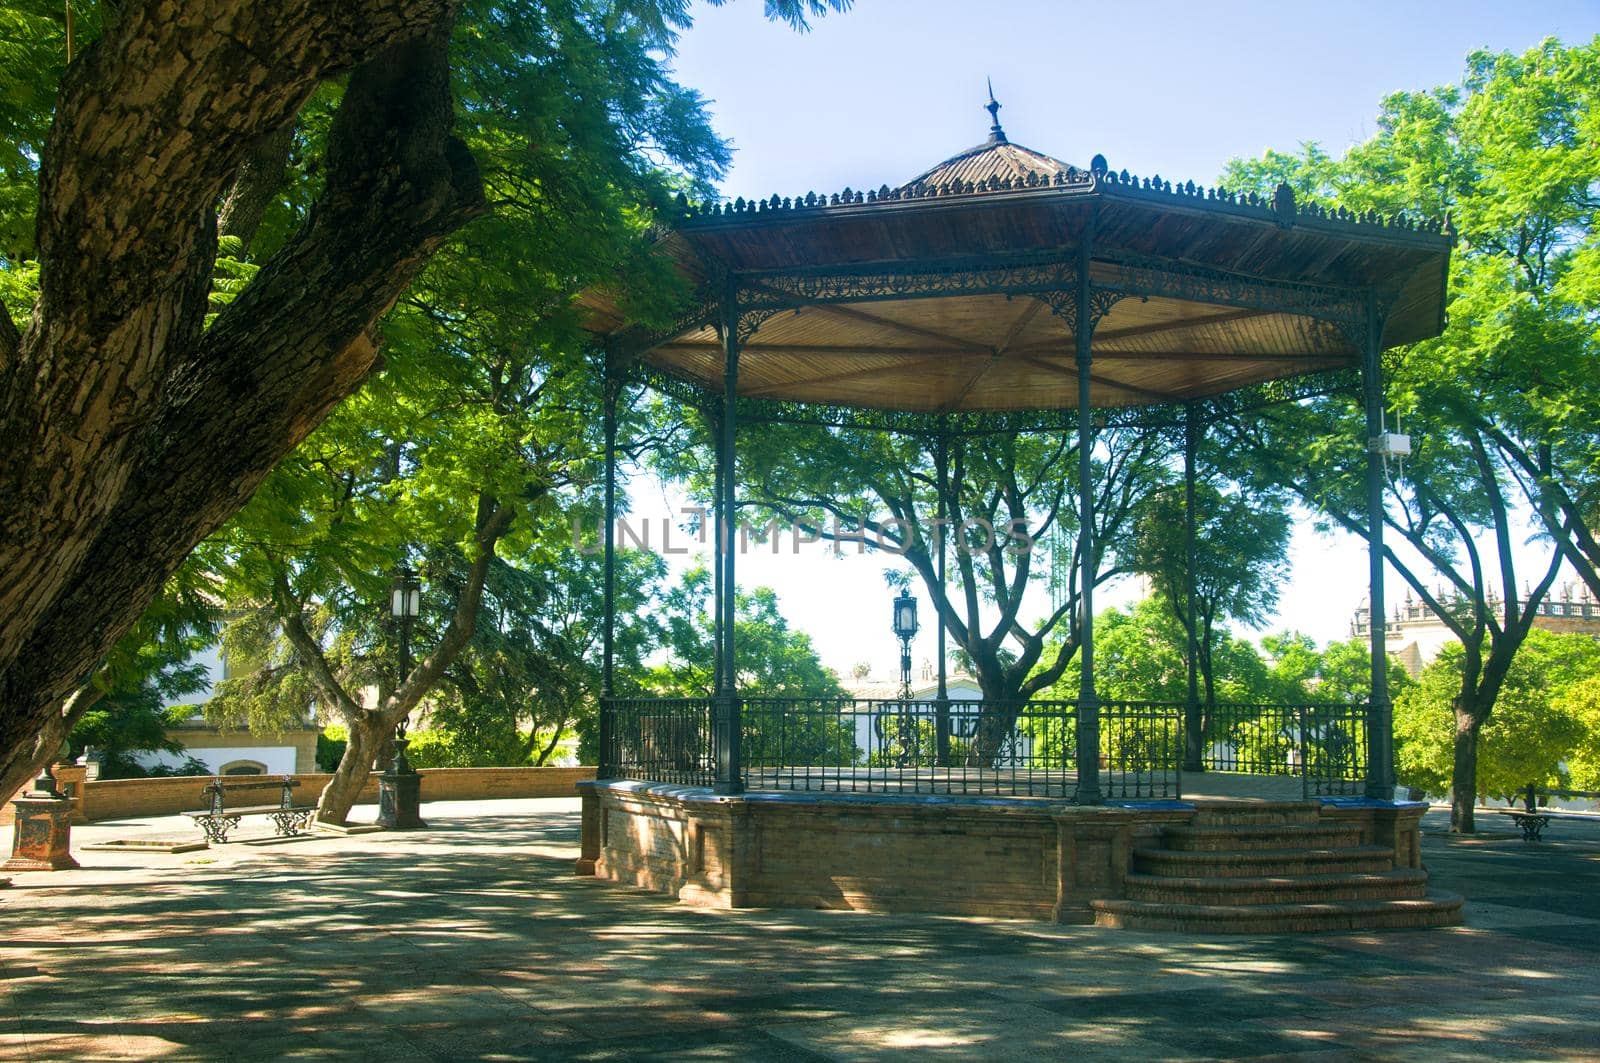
(218, 819)
(1533, 817)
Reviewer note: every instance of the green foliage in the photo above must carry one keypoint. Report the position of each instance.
(150, 667)
(890, 488)
(1139, 656)
(913, 744)
(774, 660)
(1241, 559)
(1502, 406)
(1540, 718)
(33, 57)
(331, 743)
(531, 675)
(1582, 700)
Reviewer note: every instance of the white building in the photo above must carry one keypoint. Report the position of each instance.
(877, 728)
(228, 751)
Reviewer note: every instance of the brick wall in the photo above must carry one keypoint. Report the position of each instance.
(1031, 860)
(106, 799)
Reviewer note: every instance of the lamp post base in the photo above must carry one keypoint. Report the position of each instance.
(400, 794)
(43, 838)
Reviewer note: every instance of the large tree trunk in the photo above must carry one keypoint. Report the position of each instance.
(131, 433)
(47, 746)
(344, 789)
(1002, 699)
(1464, 771)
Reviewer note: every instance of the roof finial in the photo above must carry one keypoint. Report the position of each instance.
(996, 134)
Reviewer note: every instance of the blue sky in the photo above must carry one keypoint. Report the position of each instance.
(881, 93)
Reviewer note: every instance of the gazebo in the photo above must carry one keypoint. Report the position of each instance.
(1007, 291)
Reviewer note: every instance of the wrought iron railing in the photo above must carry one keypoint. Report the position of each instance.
(893, 746)
(917, 746)
(979, 747)
(660, 740)
(1141, 750)
(1322, 744)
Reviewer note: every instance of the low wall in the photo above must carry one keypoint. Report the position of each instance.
(105, 799)
(1024, 858)
(999, 857)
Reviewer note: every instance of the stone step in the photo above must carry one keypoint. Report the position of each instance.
(1401, 884)
(1232, 813)
(1232, 837)
(1258, 863)
(1436, 909)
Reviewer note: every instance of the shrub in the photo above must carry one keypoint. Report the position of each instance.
(331, 744)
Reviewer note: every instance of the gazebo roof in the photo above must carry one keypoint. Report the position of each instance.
(995, 158)
(938, 295)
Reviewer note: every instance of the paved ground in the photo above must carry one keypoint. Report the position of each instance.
(474, 940)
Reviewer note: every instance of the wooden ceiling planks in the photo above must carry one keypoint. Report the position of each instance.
(994, 352)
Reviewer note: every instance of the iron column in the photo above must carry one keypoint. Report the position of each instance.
(607, 758)
(1088, 751)
(941, 465)
(1193, 732)
(729, 770)
(1380, 714)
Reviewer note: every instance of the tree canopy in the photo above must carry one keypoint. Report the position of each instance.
(1501, 406)
(306, 162)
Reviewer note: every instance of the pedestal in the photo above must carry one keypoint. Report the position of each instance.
(400, 794)
(43, 835)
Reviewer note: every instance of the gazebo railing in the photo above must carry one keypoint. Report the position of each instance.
(660, 740)
(917, 746)
(981, 747)
(852, 745)
(1324, 744)
(1141, 750)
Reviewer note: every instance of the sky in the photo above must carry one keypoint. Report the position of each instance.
(882, 93)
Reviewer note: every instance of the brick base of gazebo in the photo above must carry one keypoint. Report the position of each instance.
(1201, 866)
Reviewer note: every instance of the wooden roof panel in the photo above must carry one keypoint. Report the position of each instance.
(987, 352)
(990, 352)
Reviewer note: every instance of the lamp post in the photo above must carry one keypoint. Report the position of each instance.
(400, 788)
(905, 628)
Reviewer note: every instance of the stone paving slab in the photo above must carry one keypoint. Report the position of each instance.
(474, 940)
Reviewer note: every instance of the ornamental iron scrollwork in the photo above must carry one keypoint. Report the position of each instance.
(1064, 305)
(629, 344)
(797, 289)
(1137, 275)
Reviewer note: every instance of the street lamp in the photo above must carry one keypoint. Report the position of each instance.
(405, 605)
(905, 628)
(400, 788)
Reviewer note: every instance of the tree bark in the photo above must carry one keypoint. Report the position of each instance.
(132, 434)
(257, 182)
(1464, 772)
(344, 789)
(47, 746)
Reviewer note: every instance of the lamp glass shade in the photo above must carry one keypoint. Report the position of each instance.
(905, 616)
(405, 598)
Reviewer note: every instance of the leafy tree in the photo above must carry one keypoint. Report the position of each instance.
(1010, 493)
(801, 724)
(1140, 656)
(1582, 699)
(1502, 405)
(137, 419)
(531, 674)
(1536, 727)
(773, 659)
(1240, 560)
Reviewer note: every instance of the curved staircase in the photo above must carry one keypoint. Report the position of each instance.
(1272, 869)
